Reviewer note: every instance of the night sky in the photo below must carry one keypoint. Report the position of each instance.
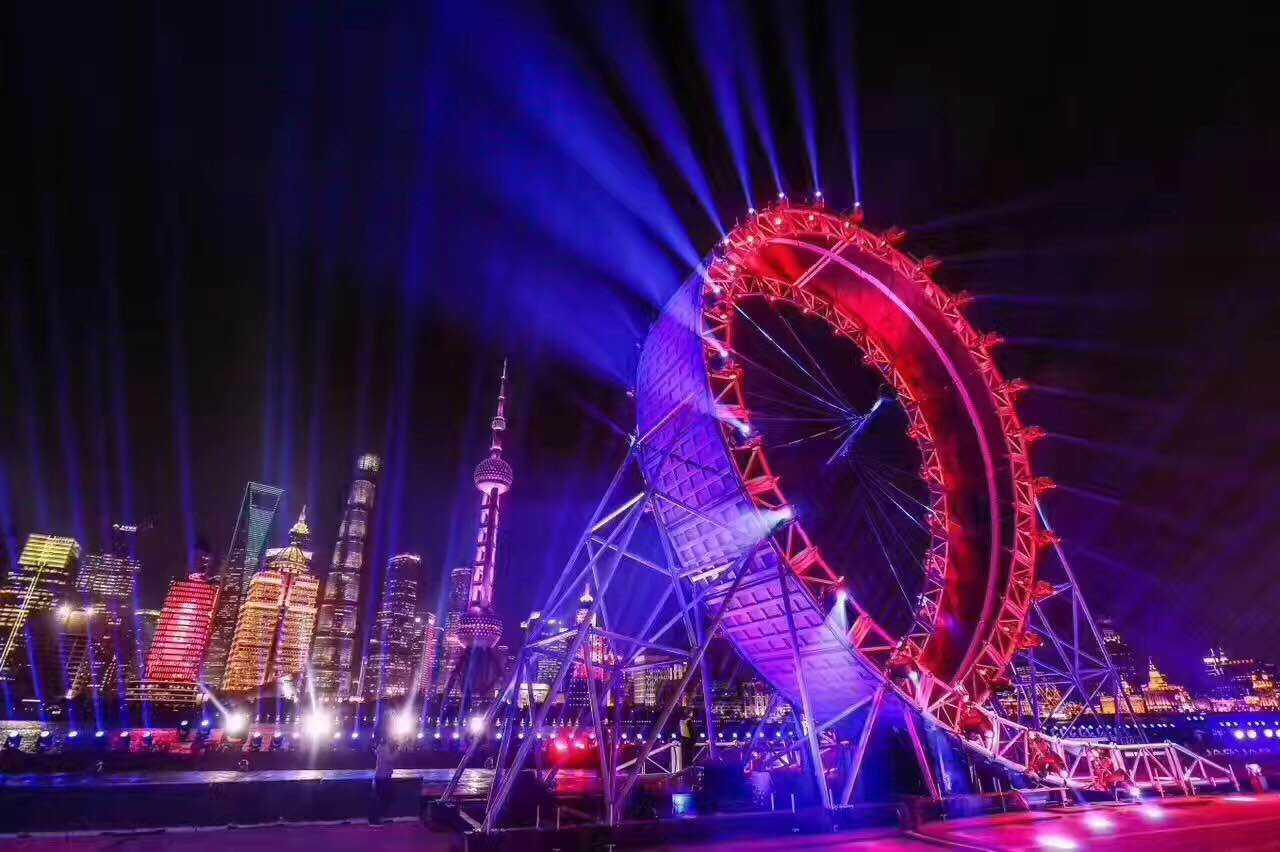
(248, 241)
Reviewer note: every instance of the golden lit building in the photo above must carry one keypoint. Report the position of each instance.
(36, 585)
(42, 577)
(1265, 693)
(1161, 695)
(1131, 701)
(651, 681)
(277, 618)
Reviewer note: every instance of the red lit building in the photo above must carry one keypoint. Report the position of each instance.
(181, 640)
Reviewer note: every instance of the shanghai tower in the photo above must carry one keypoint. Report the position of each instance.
(333, 654)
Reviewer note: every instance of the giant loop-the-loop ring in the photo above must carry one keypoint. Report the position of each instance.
(724, 507)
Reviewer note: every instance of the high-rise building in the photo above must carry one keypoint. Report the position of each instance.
(99, 638)
(97, 648)
(138, 634)
(756, 698)
(480, 627)
(277, 619)
(44, 570)
(593, 664)
(1236, 683)
(147, 623)
(389, 664)
(84, 648)
(417, 643)
(41, 580)
(505, 657)
(333, 655)
(1122, 656)
(548, 665)
(110, 577)
(459, 586)
(181, 639)
(248, 541)
(651, 680)
(428, 655)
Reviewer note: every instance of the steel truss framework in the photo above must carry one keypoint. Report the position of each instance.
(738, 563)
(1066, 671)
(672, 632)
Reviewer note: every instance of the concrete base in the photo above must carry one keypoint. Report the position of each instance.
(664, 832)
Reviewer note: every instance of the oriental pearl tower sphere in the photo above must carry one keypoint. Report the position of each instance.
(480, 627)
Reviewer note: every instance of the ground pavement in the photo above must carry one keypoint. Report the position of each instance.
(1225, 823)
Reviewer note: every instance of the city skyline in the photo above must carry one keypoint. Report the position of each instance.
(153, 589)
(266, 623)
(435, 597)
(1220, 682)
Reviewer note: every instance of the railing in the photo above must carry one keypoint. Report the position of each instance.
(1049, 760)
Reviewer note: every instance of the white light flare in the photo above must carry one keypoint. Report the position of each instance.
(236, 724)
(318, 724)
(403, 725)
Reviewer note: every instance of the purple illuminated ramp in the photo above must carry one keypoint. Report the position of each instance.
(713, 523)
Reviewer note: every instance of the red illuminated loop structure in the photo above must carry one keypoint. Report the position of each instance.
(755, 537)
(707, 455)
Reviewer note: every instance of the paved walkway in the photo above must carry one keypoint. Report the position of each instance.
(1222, 823)
(1227, 823)
(403, 836)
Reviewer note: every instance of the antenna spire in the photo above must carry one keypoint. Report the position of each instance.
(499, 422)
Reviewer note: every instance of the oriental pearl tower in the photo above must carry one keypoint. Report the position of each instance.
(480, 627)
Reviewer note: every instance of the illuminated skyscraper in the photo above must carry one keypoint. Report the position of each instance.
(84, 652)
(651, 681)
(333, 657)
(178, 647)
(44, 570)
(480, 626)
(427, 649)
(597, 656)
(1122, 656)
(39, 581)
(1239, 682)
(148, 622)
(99, 641)
(111, 577)
(459, 586)
(549, 663)
(277, 619)
(389, 664)
(756, 698)
(248, 541)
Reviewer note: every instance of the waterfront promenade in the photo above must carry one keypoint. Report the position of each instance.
(1222, 823)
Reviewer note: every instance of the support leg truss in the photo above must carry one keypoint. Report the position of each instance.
(644, 612)
(1066, 678)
